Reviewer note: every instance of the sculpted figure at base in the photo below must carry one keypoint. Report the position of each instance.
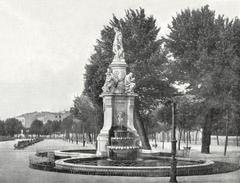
(120, 119)
(120, 84)
(129, 83)
(110, 82)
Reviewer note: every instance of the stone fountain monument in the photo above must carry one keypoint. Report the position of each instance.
(118, 141)
(118, 138)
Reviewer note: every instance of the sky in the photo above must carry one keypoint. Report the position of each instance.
(45, 44)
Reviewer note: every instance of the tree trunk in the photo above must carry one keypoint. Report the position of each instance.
(237, 139)
(95, 136)
(90, 138)
(72, 137)
(217, 139)
(76, 135)
(189, 137)
(83, 136)
(168, 136)
(141, 132)
(206, 133)
(237, 136)
(155, 139)
(179, 139)
(184, 139)
(196, 137)
(67, 135)
(226, 140)
(163, 139)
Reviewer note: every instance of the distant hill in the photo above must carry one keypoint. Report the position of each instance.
(44, 116)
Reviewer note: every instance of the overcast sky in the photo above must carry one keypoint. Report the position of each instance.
(44, 45)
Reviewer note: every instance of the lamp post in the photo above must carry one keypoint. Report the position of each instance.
(173, 173)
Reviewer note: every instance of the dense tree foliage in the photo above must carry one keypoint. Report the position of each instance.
(51, 127)
(66, 125)
(56, 126)
(48, 128)
(13, 126)
(2, 128)
(145, 58)
(206, 55)
(36, 127)
(88, 116)
(186, 116)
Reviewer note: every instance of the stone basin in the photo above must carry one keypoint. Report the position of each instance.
(148, 166)
(123, 152)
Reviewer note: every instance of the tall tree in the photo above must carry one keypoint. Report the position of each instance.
(228, 62)
(48, 128)
(145, 58)
(66, 125)
(13, 126)
(235, 39)
(161, 118)
(36, 127)
(87, 117)
(85, 111)
(2, 128)
(56, 126)
(200, 44)
(187, 115)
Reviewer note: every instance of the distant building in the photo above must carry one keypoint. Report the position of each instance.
(28, 118)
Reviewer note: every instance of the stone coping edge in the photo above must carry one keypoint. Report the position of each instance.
(119, 94)
(62, 164)
(123, 147)
(73, 154)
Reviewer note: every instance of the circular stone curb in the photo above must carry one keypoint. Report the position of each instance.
(207, 167)
(156, 171)
(65, 154)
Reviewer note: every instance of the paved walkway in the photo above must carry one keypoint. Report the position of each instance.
(14, 169)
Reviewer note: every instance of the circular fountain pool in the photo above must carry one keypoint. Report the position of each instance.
(125, 157)
(147, 166)
(146, 162)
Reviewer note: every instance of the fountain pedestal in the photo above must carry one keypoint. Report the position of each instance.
(116, 107)
(123, 145)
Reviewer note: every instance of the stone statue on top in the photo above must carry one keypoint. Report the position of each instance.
(117, 82)
(118, 46)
